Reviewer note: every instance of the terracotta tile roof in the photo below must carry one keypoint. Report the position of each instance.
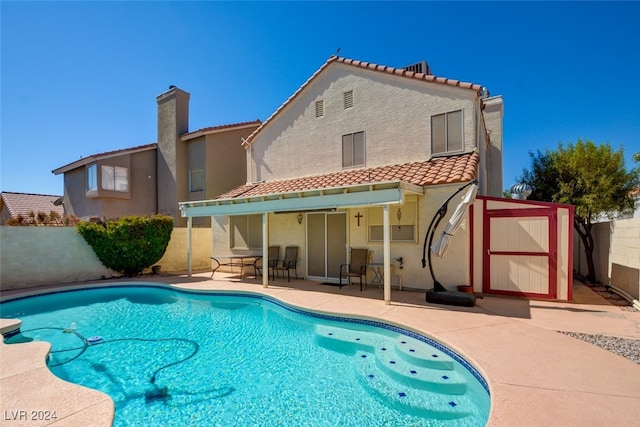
(213, 129)
(405, 73)
(369, 66)
(24, 203)
(440, 170)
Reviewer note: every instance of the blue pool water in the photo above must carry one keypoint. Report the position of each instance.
(169, 357)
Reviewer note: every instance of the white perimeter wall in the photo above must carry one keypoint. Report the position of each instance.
(32, 256)
(616, 254)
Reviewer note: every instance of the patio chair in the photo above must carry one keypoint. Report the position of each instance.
(290, 262)
(272, 261)
(357, 266)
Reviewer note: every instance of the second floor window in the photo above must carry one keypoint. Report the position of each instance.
(92, 177)
(196, 180)
(115, 178)
(446, 133)
(353, 150)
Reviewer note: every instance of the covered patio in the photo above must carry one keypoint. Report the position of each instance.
(269, 200)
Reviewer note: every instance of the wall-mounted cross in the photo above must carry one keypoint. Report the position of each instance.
(358, 216)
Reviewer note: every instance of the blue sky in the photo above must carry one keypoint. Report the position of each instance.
(80, 78)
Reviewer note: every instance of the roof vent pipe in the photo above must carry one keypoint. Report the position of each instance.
(521, 191)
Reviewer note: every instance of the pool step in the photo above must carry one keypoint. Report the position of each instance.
(406, 361)
(421, 354)
(409, 349)
(424, 378)
(347, 341)
(428, 404)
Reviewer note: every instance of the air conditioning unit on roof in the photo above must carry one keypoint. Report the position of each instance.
(420, 67)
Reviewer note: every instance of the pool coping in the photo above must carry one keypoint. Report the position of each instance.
(536, 375)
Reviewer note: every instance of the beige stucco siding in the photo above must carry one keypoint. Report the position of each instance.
(139, 200)
(226, 161)
(393, 112)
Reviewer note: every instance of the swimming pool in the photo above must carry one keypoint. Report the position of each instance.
(172, 357)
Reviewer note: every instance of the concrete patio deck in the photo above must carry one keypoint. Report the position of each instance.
(537, 376)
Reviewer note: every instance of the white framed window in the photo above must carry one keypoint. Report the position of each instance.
(353, 150)
(92, 177)
(246, 232)
(403, 221)
(196, 180)
(115, 178)
(348, 99)
(447, 134)
(319, 108)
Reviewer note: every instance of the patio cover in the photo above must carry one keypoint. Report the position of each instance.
(377, 186)
(370, 194)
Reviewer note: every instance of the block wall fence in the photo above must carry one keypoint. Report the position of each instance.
(34, 256)
(616, 256)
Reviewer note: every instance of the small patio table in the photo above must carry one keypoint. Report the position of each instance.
(378, 274)
(241, 261)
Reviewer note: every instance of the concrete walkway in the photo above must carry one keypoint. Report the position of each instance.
(537, 376)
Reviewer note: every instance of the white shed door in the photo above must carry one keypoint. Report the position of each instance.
(520, 252)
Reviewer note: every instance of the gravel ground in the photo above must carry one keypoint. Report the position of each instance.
(624, 347)
(627, 348)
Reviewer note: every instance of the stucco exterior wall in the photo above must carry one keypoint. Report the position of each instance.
(32, 256)
(395, 114)
(139, 200)
(175, 257)
(616, 256)
(451, 270)
(493, 114)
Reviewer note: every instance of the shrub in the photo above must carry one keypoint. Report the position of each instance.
(130, 244)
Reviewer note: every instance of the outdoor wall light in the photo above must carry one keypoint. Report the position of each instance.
(300, 218)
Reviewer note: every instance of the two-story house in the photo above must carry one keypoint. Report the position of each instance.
(153, 178)
(361, 156)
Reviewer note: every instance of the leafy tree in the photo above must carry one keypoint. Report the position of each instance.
(130, 244)
(591, 177)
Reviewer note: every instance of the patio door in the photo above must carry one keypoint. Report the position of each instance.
(326, 245)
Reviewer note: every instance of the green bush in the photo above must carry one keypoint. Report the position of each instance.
(130, 244)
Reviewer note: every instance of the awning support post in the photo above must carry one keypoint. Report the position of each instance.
(265, 249)
(386, 250)
(189, 224)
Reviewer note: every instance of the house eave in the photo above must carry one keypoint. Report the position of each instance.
(91, 159)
